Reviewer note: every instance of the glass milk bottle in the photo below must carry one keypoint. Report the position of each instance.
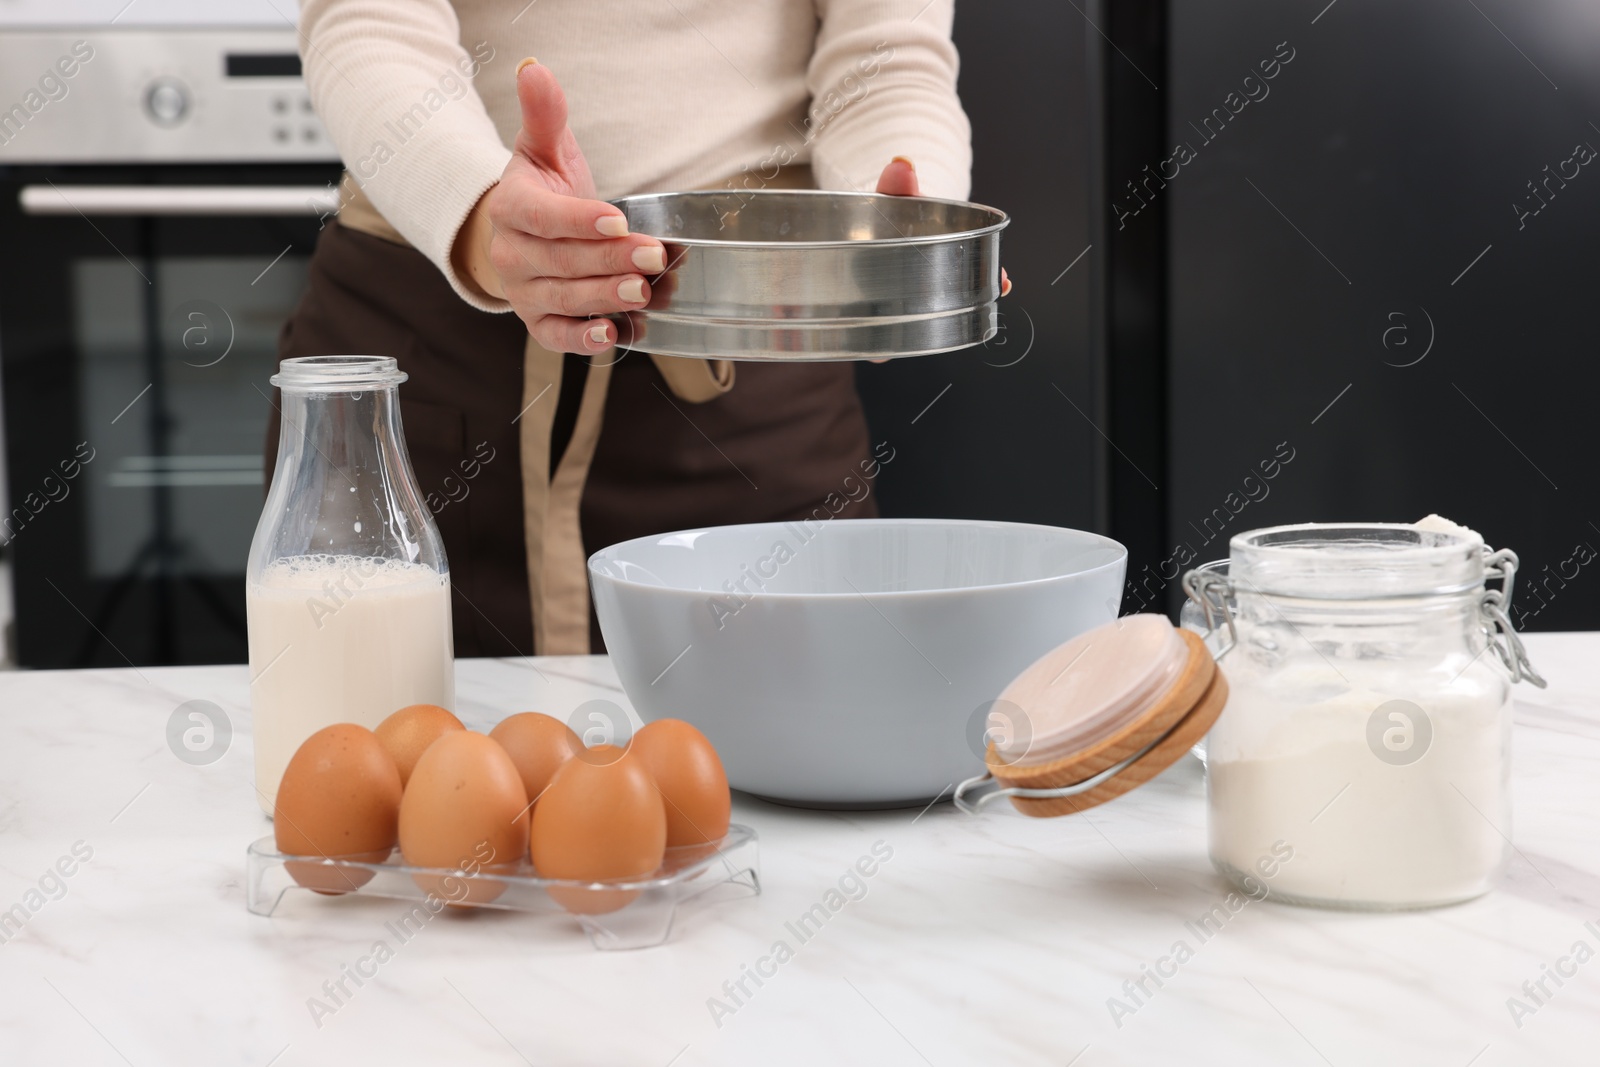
(347, 590)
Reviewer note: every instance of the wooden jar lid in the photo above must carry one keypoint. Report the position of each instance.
(1157, 728)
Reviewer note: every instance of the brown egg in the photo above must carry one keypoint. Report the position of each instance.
(339, 798)
(408, 733)
(538, 745)
(693, 785)
(601, 818)
(464, 810)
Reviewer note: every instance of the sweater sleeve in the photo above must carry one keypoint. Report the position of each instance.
(394, 87)
(882, 79)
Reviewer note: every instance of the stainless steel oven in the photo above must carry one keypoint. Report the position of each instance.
(157, 209)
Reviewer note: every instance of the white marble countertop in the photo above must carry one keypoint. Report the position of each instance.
(996, 939)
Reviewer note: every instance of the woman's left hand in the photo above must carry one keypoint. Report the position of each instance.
(899, 178)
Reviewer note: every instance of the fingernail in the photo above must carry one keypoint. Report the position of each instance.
(903, 159)
(631, 291)
(612, 225)
(529, 62)
(652, 259)
(597, 334)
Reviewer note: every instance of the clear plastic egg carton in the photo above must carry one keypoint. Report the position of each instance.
(615, 915)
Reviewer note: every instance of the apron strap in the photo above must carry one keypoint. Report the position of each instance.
(695, 380)
(541, 386)
(558, 573)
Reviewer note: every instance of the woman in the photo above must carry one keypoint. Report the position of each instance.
(443, 229)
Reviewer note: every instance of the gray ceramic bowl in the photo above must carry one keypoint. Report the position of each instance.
(845, 663)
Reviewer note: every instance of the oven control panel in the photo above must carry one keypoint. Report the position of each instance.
(165, 95)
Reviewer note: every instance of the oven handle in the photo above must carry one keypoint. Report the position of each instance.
(237, 200)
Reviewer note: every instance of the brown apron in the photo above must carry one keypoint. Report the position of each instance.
(505, 437)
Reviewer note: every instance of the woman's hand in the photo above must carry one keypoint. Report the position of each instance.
(541, 240)
(899, 178)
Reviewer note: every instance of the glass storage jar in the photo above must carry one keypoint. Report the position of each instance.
(347, 592)
(1363, 758)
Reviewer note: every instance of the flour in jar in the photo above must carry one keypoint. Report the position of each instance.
(1291, 760)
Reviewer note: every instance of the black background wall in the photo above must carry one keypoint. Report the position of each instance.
(1353, 239)
(1336, 279)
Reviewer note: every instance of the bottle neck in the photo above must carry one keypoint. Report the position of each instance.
(353, 434)
(343, 484)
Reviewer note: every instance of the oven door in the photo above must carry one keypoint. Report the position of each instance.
(139, 319)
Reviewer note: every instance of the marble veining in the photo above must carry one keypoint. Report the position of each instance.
(996, 939)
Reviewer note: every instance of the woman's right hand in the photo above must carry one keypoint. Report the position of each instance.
(541, 240)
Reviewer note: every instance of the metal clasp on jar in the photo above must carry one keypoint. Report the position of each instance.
(1494, 609)
(1209, 588)
(1213, 592)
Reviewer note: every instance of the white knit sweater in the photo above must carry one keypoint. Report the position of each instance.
(420, 95)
